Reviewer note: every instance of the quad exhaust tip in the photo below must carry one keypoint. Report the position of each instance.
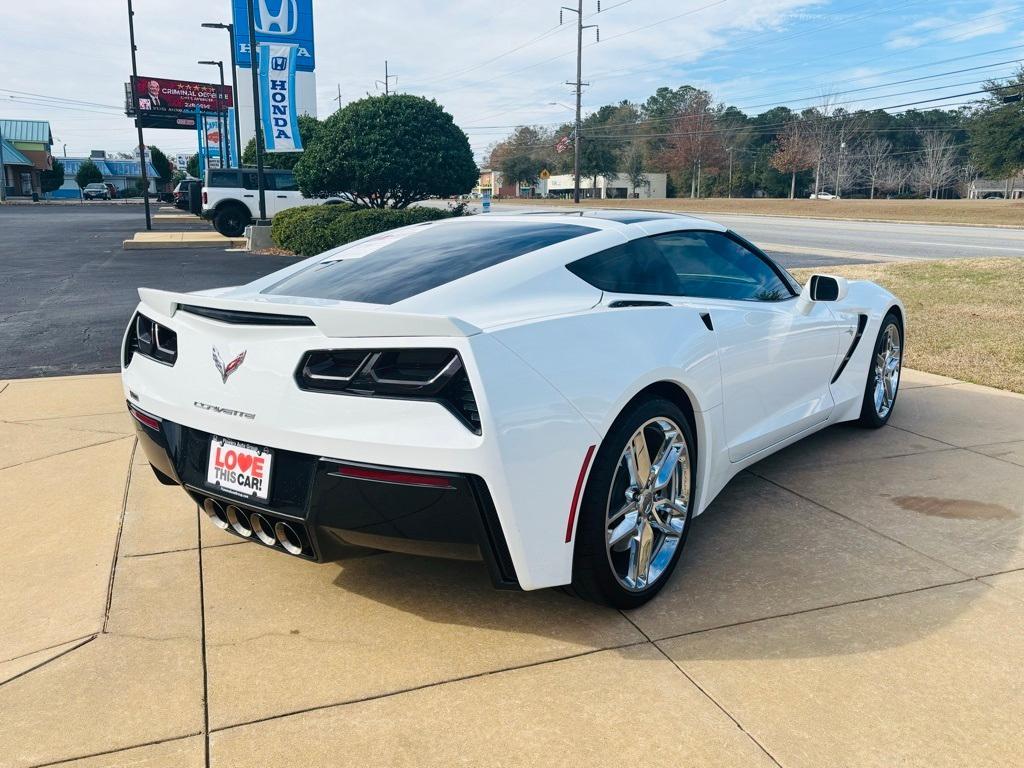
(263, 529)
(289, 538)
(239, 521)
(215, 511)
(245, 525)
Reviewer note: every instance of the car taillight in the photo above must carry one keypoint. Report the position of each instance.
(205, 199)
(438, 375)
(150, 339)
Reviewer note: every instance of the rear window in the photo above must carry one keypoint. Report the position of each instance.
(410, 261)
(225, 178)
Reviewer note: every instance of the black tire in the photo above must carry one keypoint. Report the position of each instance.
(231, 220)
(869, 415)
(594, 577)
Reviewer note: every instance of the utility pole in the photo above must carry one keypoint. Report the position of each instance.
(338, 97)
(138, 117)
(386, 82)
(839, 164)
(256, 111)
(730, 173)
(578, 85)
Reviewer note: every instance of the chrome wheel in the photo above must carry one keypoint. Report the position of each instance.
(888, 360)
(648, 504)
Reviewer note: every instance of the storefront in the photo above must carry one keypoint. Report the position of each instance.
(25, 152)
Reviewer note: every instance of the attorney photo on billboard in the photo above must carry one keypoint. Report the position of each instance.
(165, 103)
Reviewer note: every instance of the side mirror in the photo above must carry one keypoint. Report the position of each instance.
(825, 288)
(822, 288)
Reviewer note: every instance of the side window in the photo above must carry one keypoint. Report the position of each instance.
(282, 182)
(223, 178)
(633, 267)
(714, 266)
(249, 180)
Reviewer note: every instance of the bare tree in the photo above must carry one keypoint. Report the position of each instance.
(794, 152)
(936, 167)
(820, 130)
(893, 176)
(635, 161)
(875, 153)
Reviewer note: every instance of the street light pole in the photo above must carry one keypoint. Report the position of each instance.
(256, 110)
(234, 81)
(222, 116)
(3, 169)
(730, 173)
(138, 117)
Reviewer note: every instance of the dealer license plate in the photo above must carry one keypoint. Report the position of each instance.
(239, 468)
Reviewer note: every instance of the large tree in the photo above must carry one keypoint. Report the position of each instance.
(87, 173)
(192, 166)
(388, 151)
(795, 151)
(309, 132)
(997, 129)
(53, 178)
(161, 164)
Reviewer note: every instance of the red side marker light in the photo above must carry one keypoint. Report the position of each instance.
(390, 476)
(144, 418)
(577, 492)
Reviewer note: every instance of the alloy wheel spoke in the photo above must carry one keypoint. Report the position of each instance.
(623, 530)
(626, 509)
(641, 547)
(666, 467)
(642, 458)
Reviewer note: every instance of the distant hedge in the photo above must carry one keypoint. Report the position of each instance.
(313, 229)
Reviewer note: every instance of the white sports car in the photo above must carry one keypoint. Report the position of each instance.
(555, 394)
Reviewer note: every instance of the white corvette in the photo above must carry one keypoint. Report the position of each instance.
(555, 394)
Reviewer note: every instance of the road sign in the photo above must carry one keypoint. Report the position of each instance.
(545, 174)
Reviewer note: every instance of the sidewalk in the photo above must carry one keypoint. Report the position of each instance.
(855, 600)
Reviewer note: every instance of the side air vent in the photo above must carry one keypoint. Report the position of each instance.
(237, 317)
(862, 321)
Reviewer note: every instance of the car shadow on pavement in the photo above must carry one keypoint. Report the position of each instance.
(763, 551)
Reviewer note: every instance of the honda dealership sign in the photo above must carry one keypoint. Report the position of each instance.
(280, 117)
(277, 21)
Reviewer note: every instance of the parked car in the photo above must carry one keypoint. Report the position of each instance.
(231, 197)
(555, 394)
(823, 196)
(96, 191)
(181, 196)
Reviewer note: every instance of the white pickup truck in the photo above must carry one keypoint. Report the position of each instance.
(231, 199)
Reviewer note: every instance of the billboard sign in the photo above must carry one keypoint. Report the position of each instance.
(279, 112)
(167, 103)
(288, 22)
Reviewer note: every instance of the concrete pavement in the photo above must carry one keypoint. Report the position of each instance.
(855, 600)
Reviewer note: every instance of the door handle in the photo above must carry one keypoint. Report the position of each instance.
(706, 317)
(247, 195)
(281, 195)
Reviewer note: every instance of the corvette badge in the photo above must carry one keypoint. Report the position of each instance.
(226, 370)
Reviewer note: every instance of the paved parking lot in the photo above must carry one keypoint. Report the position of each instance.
(857, 600)
(68, 288)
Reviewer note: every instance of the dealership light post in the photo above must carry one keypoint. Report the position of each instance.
(234, 79)
(3, 169)
(225, 140)
(138, 119)
(256, 111)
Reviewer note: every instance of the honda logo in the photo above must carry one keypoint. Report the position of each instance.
(279, 63)
(284, 22)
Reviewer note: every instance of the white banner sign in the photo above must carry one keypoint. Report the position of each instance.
(279, 112)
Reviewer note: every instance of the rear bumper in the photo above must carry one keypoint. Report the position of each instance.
(333, 501)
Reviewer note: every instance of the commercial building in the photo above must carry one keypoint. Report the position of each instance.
(123, 174)
(617, 187)
(25, 152)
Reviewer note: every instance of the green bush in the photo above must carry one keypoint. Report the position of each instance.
(313, 229)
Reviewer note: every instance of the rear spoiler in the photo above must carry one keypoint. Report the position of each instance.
(332, 321)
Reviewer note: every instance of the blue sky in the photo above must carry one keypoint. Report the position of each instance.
(496, 65)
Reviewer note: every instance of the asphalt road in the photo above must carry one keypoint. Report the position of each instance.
(800, 242)
(67, 288)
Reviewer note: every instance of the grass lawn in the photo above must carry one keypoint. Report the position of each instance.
(927, 211)
(965, 317)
